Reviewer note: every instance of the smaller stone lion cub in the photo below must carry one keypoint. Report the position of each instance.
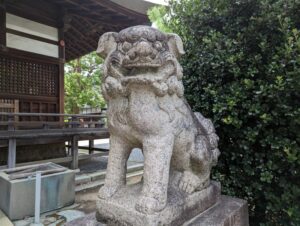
(142, 84)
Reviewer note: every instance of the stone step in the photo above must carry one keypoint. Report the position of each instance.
(89, 177)
(98, 180)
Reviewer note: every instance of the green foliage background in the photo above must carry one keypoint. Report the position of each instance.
(83, 83)
(242, 69)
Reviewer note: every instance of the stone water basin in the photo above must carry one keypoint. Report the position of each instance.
(17, 189)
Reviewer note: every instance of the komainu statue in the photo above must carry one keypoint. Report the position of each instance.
(142, 84)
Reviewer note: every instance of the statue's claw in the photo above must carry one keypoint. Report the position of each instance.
(149, 205)
(186, 187)
(190, 183)
(107, 191)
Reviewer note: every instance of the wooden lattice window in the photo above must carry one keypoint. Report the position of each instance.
(24, 77)
(7, 105)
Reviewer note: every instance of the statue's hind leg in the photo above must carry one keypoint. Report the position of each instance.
(192, 181)
(196, 175)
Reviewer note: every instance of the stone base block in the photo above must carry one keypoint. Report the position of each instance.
(227, 212)
(120, 210)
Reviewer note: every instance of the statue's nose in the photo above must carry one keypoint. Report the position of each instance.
(144, 48)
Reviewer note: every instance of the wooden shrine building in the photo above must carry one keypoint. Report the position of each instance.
(38, 36)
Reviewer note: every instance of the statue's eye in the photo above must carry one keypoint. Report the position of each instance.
(158, 45)
(127, 46)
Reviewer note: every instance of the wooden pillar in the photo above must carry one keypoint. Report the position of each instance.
(12, 143)
(61, 66)
(91, 142)
(69, 141)
(74, 145)
(74, 152)
(91, 146)
(2, 25)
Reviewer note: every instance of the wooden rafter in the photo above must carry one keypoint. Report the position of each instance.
(85, 22)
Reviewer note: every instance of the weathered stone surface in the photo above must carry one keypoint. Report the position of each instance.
(227, 212)
(120, 210)
(142, 84)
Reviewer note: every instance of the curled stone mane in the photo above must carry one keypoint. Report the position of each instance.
(132, 34)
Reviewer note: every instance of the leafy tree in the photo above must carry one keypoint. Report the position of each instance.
(242, 69)
(158, 16)
(82, 83)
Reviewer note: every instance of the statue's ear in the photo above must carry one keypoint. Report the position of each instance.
(106, 44)
(175, 45)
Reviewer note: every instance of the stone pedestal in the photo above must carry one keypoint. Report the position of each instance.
(227, 212)
(120, 210)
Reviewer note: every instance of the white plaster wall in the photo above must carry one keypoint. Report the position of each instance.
(31, 45)
(31, 27)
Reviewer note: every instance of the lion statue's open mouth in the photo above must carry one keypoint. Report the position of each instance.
(142, 84)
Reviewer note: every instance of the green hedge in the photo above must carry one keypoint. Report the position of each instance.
(242, 69)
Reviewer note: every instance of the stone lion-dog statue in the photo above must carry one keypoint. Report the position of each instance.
(142, 84)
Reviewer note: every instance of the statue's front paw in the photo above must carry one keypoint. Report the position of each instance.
(107, 191)
(149, 205)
